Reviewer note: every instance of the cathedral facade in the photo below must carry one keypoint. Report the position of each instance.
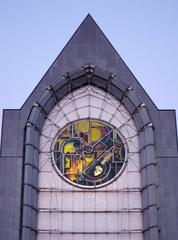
(89, 155)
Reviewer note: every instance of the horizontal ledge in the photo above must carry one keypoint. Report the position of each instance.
(68, 232)
(10, 156)
(167, 156)
(90, 190)
(43, 210)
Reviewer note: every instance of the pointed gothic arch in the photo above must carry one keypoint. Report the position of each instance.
(91, 75)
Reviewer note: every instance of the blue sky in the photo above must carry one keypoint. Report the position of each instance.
(144, 33)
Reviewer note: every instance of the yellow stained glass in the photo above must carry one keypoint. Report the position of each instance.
(95, 134)
(89, 152)
(67, 163)
(98, 170)
(107, 157)
(82, 127)
(97, 124)
(69, 148)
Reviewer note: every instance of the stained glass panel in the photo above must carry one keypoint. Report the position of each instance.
(89, 153)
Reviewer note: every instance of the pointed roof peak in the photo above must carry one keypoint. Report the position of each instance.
(88, 20)
(88, 17)
(89, 45)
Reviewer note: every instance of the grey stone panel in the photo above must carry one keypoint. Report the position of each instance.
(35, 198)
(150, 155)
(164, 235)
(58, 84)
(142, 141)
(27, 216)
(28, 178)
(167, 118)
(62, 92)
(120, 84)
(10, 197)
(144, 178)
(148, 179)
(47, 105)
(152, 193)
(35, 158)
(29, 138)
(149, 136)
(35, 178)
(45, 97)
(6, 235)
(154, 233)
(28, 234)
(37, 117)
(145, 198)
(138, 121)
(151, 175)
(168, 196)
(130, 106)
(79, 82)
(27, 195)
(167, 144)
(117, 93)
(31, 147)
(153, 217)
(146, 221)
(29, 154)
(147, 235)
(144, 115)
(166, 151)
(29, 221)
(77, 73)
(30, 195)
(10, 133)
(167, 137)
(170, 223)
(36, 139)
(99, 82)
(102, 74)
(135, 100)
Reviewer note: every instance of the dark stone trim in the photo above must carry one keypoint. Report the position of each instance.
(30, 144)
(152, 184)
(154, 226)
(30, 164)
(150, 164)
(32, 229)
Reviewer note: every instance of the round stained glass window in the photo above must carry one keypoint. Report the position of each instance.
(89, 153)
